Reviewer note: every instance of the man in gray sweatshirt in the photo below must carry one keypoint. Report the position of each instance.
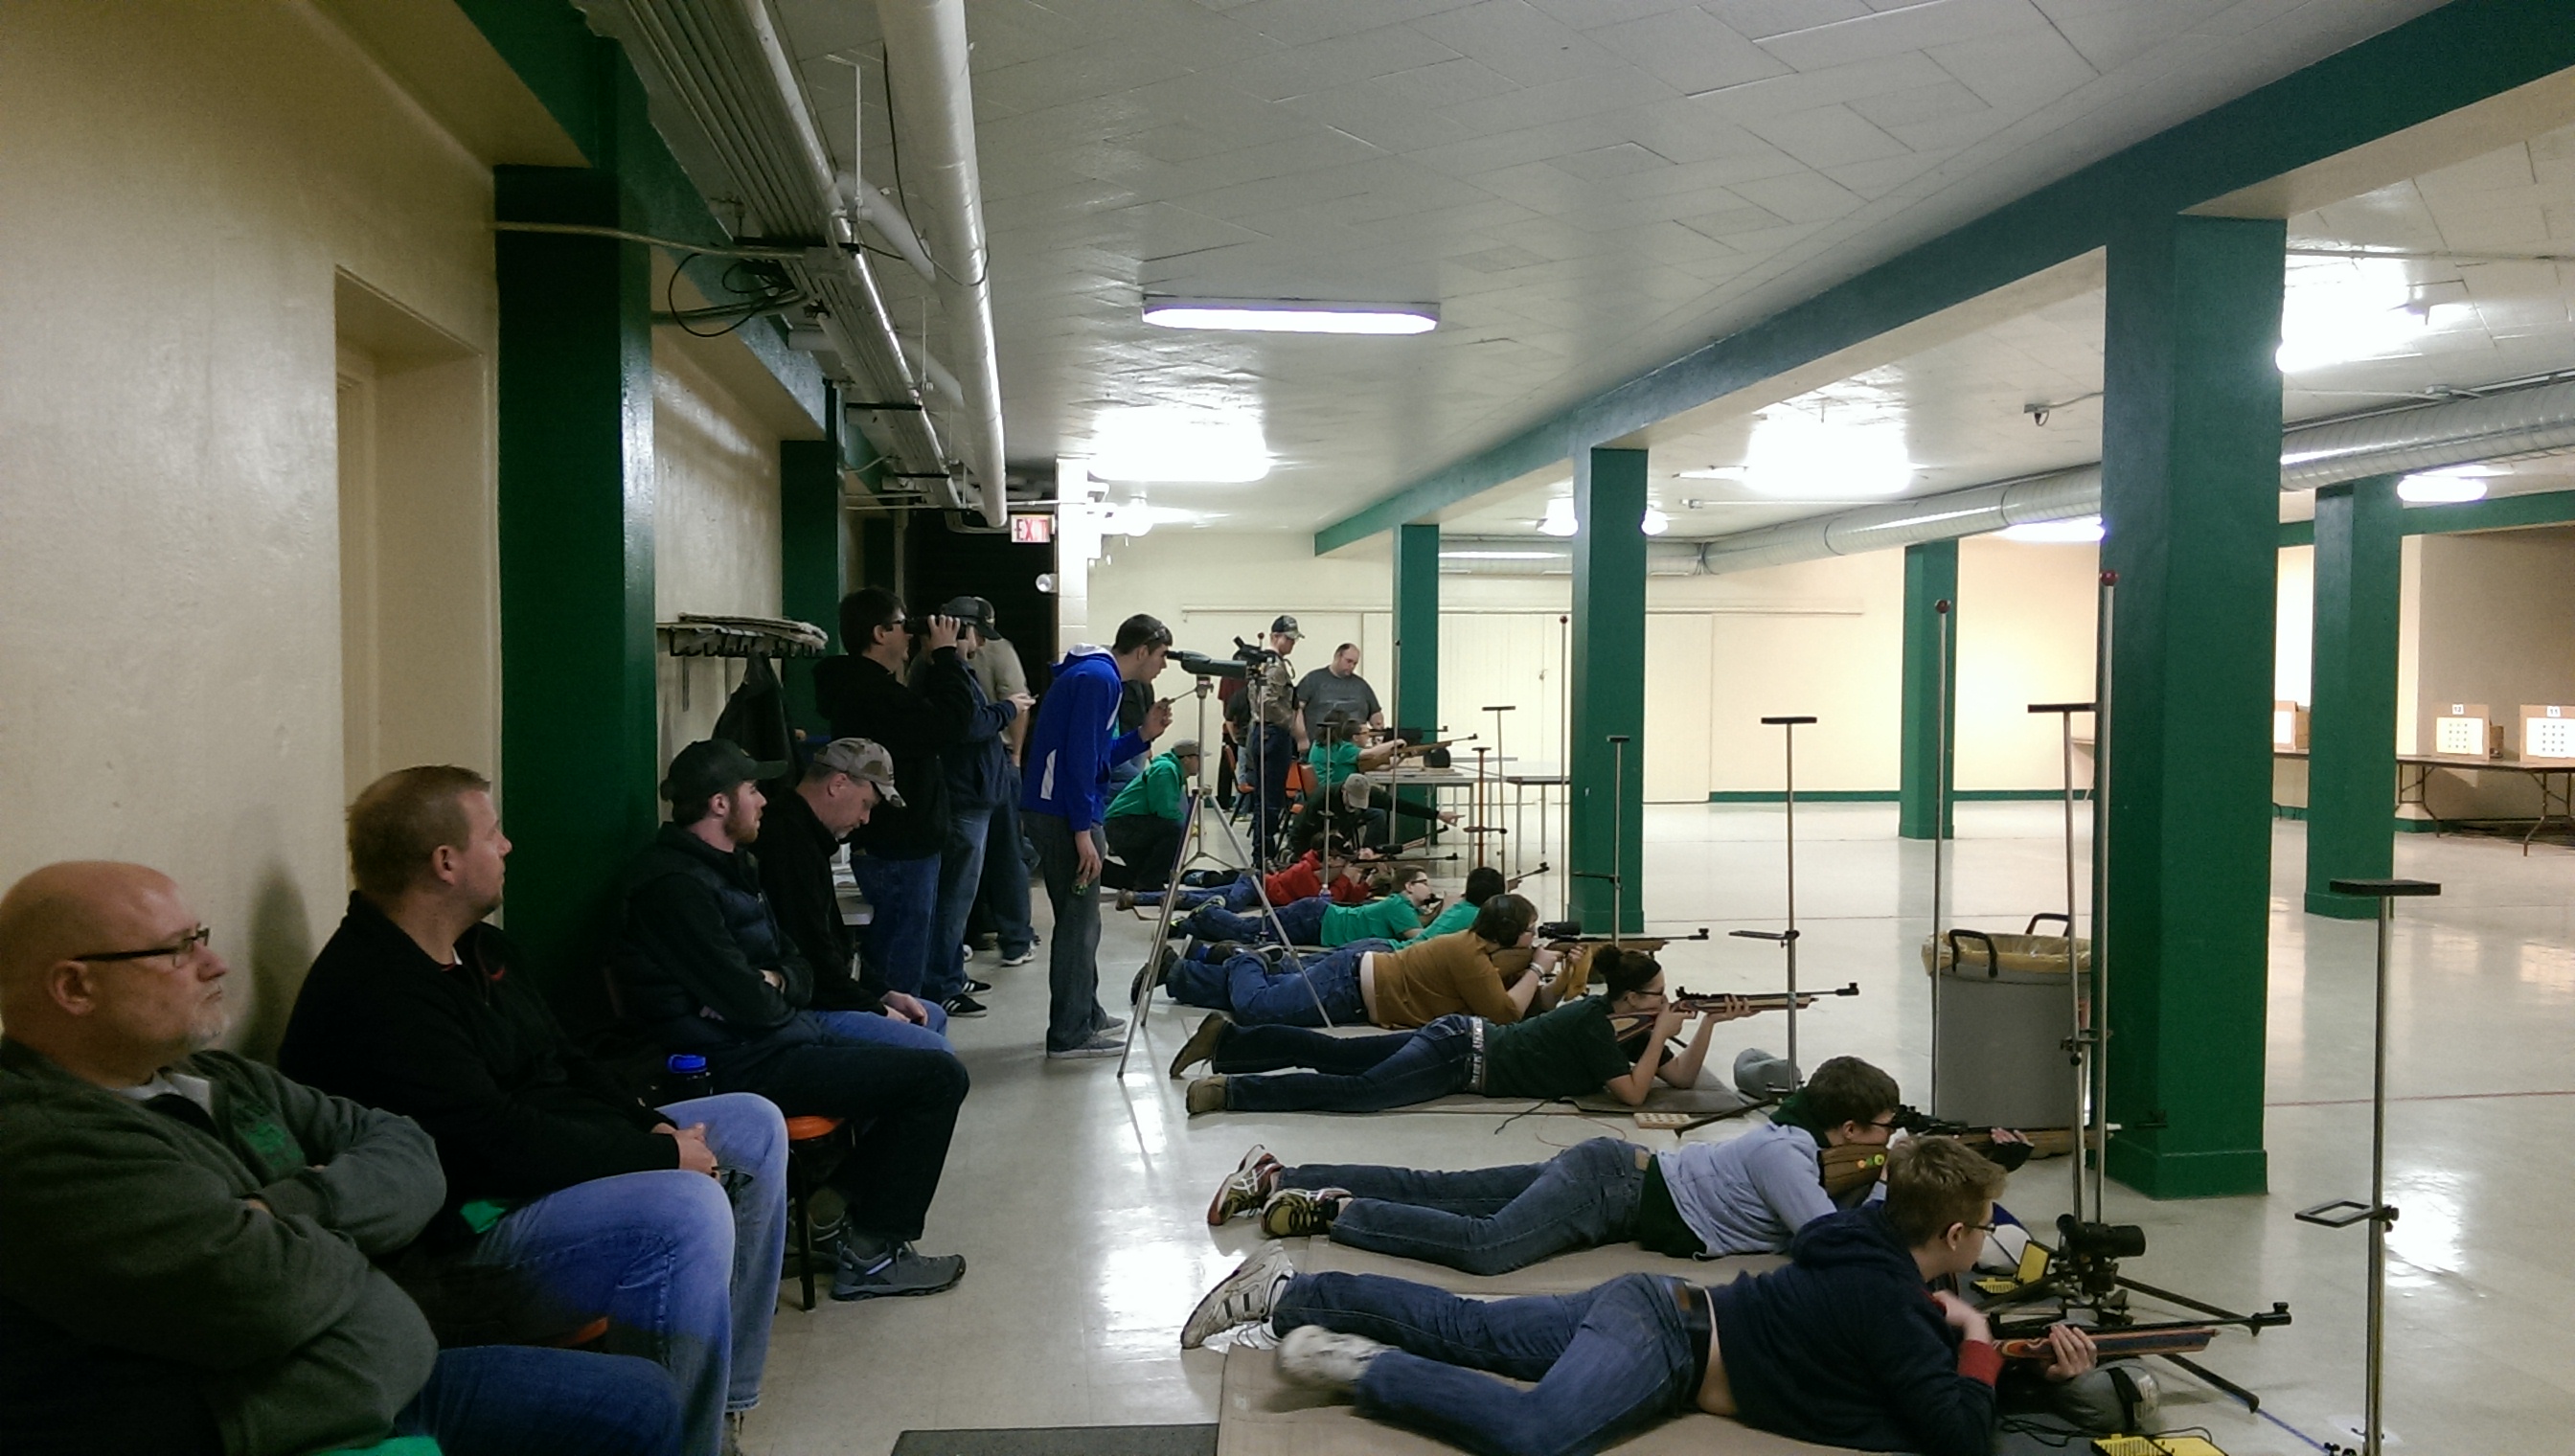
(192, 1238)
(1748, 1195)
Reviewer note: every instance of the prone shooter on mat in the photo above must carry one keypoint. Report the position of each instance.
(1483, 970)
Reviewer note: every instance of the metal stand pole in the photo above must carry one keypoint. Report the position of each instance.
(2079, 1046)
(2344, 1212)
(2095, 1141)
(1564, 743)
(1493, 814)
(1787, 938)
(1618, 875)
(1939, 828)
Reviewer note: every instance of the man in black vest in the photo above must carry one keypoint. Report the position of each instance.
(704, 968)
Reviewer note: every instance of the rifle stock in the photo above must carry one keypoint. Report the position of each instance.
(1851, 1166)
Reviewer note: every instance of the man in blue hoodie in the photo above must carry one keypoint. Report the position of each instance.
(1064, 797)
(1845, 1346)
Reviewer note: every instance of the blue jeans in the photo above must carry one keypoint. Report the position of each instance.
(1273, 758)
(1488, 1220)
(517, 1400)
(961, 878)
(1260, 995)
(1239, 896)
(1351, 1073)
(1607, 1362)
(1301, 920)
(687, 1276)
(867, 1029)
(902, 901)
(1005, 895)
(1074, 1012)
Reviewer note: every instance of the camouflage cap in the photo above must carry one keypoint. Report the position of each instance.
(863, 759)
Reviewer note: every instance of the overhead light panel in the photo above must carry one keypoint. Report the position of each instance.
(1290, 316)
(1172, 444)
(1559, 519)
(2442, 487)
(2080, 530)
(1501, 555)
(1656, 522)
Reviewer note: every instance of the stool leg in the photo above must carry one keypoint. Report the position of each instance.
(800, 1208)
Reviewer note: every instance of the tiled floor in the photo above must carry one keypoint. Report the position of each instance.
(1080, 1197)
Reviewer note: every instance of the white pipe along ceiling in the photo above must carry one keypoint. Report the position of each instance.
(728, 100)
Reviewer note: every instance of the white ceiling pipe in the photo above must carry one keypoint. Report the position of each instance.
(2521, 420)
(934, 115)
(1523, 556)
(879, 212)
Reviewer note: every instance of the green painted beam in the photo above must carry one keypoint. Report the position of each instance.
(2452, 57)
(2351, 758)
(578, 756)
(2504, 513)
(558, 59)
(2190, 444)
(1927, 737)
(809, 560)
(1606, 834)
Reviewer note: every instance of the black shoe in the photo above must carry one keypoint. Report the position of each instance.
(976, 987)
(1150, 980)
(962, 1005)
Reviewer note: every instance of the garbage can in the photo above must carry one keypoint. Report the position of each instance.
(2003, 1015)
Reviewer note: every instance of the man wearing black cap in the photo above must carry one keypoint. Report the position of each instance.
(978, 780)
(703, 966)
(1272, 733)
(895, 856)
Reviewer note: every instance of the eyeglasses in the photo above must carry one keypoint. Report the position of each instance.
(1978, 1227)
(180, 950)
(1888, 1122)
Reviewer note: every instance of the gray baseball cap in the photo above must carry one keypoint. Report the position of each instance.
(864, 760)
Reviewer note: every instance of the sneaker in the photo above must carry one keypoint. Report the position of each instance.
(2141, 1397)
(988, 941)
(1113, 1027)
(1242, 1297)
(1125, 899)
(1150, 978)
(1298, 1212)
(1201, 1046)
(1244, 1189)
(976, 987)
(1098, 1046)
(966, 950)
(901, 1269)
(1322, 1359)
(962, 1005)
(1022, 959)
(1206, 1094)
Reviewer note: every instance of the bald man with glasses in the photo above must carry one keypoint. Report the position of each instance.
(193, 1238)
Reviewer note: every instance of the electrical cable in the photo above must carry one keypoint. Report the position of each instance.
(773, 293)
(902, 193)
(581, 230)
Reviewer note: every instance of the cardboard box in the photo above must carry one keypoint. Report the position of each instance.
(2469, 731)
(2288, 726)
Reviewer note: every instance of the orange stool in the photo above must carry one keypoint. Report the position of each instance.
(804, 1134)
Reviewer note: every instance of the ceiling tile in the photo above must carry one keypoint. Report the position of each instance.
(1760, 19)
(1518, 39)
(2018, 72)
(1942, 98)
(1826, 136)
(1303, 22)
(1321, 65)
(1620, 160)
(1690, 50)
(1910, 28)
(1804, 197)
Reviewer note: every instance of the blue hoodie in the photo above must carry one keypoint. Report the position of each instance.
(1076, 739)
(1846, 1347)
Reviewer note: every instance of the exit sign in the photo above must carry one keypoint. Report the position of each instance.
(1033, 530)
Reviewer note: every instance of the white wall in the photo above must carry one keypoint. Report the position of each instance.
(2027, 628)
(179, 187)
(714, 529)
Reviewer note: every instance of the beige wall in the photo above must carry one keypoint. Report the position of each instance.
(180, 186)
(2496, 625)
(2027, 616)
(715, 527)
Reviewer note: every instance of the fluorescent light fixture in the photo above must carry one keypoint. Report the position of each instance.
(1501, 555)
(1656, 522)
(1166, 443)
(1559, 519)
(2345, 310)
(2442, 487)
(1290, 316)
(1798, 453)
(2080, 530)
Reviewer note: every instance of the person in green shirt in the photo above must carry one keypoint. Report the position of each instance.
(1482, 884)
(1318, 922)
(1143, 822)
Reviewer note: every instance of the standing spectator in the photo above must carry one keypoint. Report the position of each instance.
(896, 856)
(1335, 700)
(1071, 746)
(1146, 818)
(1274, 732)
(1001, 908)
(978, 776)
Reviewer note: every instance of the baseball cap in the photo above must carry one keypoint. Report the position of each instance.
(1185, 748)
(1354, 791)
(1287, 626)
(860, 758)
(706, 768)
(975, 611)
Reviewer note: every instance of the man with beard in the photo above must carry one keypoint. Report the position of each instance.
(705, 968)
(193, 1238)
(566, 1197)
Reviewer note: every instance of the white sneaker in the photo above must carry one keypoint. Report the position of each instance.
(1245, 1188)
(1096, 1047)
(1323, 1359)
(1022, 959)
(1242, 1297)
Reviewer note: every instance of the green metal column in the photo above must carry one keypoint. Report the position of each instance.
(2190, 498)
(1928, 747)
(1417, 636)
(578, 742)
(2351, 758)
(1608, 812)
(809, 558)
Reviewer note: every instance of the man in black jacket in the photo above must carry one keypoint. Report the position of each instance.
(703, 966)
(979, 778)
(566, 1197)
(800, 828)
(896, 853)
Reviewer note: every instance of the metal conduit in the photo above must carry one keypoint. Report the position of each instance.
(2521, 420)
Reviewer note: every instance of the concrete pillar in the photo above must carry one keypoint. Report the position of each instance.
(1608, 807)
(1928, 745)
(2190, 501)
(2351, 758)
(809, 560)
(1417, 637)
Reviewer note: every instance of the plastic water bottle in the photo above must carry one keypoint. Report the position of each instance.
(684, 1076)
